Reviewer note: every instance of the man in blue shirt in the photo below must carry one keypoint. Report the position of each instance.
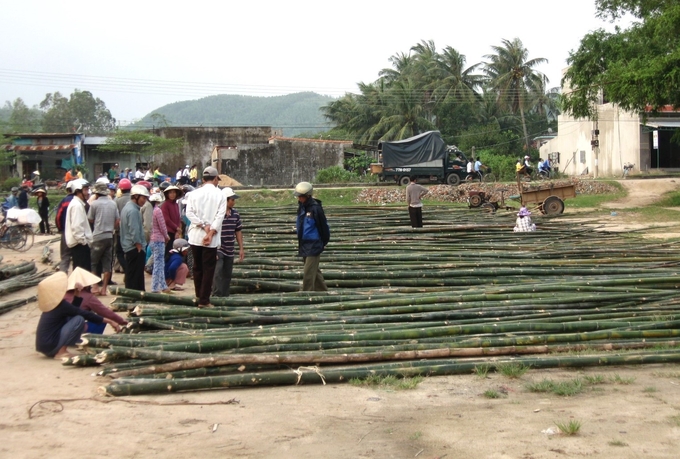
(231, 231)
(132, 239)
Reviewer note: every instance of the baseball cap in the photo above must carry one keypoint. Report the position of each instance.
(229, 193)
(210, 172)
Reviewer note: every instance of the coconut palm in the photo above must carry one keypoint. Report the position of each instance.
(404, 114)
(512, 76)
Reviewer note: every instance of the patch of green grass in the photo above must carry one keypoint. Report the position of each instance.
(650, 389)
(594, 200)
(542, 386)
(388, 382)
(594, 379)
(491, 393)
(482, 370)
(415, 435)
(568, 388)
(572, 427)
(562, 388)
(512, 370)
(621, 380)
(275, 198)
(675, 420)
(671, 199)
(617, 443)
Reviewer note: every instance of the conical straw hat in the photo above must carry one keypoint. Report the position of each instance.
(82, 276)
(51, 291)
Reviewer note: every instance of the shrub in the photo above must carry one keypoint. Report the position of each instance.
(10, 182)
(336, 174)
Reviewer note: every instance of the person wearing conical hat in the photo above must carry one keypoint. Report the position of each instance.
(90, 302)
(43, 210)
(61, 323)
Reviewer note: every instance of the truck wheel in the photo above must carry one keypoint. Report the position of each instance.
(552, 205)
(405, 180)
(452, 179)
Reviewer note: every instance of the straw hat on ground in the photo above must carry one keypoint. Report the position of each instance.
(51, 291)
(82, 277)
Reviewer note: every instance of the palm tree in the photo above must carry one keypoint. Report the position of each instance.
(404, 114)
(513, 77)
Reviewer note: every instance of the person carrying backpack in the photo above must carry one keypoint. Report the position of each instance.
(313, 235)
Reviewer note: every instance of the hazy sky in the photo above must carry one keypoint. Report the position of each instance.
(140, 55)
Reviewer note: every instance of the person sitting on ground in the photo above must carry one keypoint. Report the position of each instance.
(176, 269)
(523, 222)
(89, 301)
(61, 323)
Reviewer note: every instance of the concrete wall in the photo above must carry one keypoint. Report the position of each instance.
(619, 143)
(257, 157)
(199, 142)
(283, 162)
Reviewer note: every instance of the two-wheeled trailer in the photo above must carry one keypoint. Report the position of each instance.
(549, 198)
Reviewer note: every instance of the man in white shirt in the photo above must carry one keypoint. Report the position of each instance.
(185, 175)
(77, 232)
(205, 210)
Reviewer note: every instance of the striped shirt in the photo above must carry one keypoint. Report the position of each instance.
(230, 225)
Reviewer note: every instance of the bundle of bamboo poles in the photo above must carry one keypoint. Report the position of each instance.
(463, 291)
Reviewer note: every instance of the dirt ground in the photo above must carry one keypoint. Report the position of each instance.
(54, 411)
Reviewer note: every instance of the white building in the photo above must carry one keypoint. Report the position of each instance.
(601, 148)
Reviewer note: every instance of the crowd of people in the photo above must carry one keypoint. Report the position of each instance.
(177, 231)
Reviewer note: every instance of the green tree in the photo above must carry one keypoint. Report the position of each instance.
(147, 147)
(635, 68)
(23, 118)
(512, 75)
(404, 116)
(81, 112)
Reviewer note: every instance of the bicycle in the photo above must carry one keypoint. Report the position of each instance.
(627, 167)
(481, 175)
(14, 236)
(544, 174)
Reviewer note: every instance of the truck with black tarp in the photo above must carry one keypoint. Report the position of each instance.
(425, 156)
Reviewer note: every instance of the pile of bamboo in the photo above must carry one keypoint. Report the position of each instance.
(461, 292)
(16, 277)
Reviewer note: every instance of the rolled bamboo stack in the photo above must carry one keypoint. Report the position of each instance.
(460, 292)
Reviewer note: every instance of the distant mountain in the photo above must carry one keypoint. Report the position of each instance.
(294, 113)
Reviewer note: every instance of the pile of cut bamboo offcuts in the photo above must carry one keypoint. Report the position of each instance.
(16, 277)
(461, 292)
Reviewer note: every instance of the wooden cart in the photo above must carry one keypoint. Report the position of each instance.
(549, 198)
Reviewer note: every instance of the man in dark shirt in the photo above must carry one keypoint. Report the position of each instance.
(231, 230)
(22, 199)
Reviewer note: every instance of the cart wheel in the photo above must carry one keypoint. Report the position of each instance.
(488, 208)
(453, 179)
(552, 205)
(405, 180)
(475, 201)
